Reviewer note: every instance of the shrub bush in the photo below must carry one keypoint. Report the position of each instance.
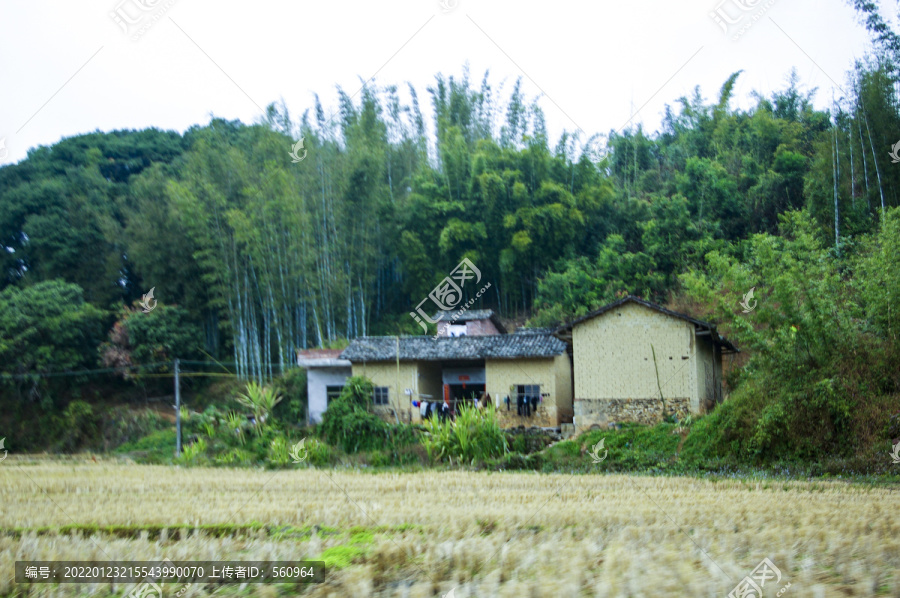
(279, 453)
(292, 386)
(349, 424)
(320, 454)
(156, 447)
(235, 456)
(125, 425)
(80, 426)
(193, 454)
(474, 435)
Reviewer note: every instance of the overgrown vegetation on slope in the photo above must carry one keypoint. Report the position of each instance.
(252, 256)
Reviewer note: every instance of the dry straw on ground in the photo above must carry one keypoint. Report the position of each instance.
(486, 534)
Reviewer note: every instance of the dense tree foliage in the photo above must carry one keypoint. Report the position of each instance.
(254, 254)
(46, 326)
(158, 337)
(265, 255)
(822, 377)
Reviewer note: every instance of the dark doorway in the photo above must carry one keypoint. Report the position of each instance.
(465, 394)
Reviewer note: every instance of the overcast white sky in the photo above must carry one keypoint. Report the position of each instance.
(66, 67)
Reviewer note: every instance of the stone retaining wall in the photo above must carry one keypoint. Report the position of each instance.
(543, 417)
(602, 412)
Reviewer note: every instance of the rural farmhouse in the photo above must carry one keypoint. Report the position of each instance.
(631, 360)
(635, 360)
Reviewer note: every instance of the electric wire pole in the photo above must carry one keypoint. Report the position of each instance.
(177, 413)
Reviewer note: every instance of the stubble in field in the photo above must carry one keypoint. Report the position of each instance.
(422, 534)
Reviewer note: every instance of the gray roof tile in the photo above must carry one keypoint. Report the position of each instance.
(472, 314)
(426, 348)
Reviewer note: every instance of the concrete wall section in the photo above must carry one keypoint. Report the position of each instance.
(471, 328)
(613, 357)
(564, 388)
(709, 376)
(317, 381)
(481, 328)
(552, 411)
(429, 383)
(386, 374)
(616, 377)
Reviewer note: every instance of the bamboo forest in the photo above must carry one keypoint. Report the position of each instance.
(252, 254)
(432, 333)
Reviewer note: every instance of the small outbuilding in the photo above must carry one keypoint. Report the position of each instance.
(326, 374)
(636, 361)
(476, 322)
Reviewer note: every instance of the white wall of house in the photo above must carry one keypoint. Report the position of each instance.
(317, 382)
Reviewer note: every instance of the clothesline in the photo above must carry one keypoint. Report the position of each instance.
(442, 400)
(433, 400)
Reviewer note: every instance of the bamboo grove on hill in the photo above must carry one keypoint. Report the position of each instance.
(265, 255)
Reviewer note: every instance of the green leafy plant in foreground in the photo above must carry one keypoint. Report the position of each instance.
(191, 453)
(474, 435)
(279, 453)
(260, 400)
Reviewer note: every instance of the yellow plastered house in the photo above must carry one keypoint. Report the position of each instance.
(530, 367)
(635, 361)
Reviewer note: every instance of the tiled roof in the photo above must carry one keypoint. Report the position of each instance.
(473, 314)
(319, 353)
(321, 358)
(426, 348)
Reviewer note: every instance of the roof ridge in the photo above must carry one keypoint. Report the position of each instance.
(649, 304)
(428, 348)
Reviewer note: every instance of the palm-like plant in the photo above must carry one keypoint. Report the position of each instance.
(260, 400)
(235, 422)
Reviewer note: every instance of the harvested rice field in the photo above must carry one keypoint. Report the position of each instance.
(419, 535)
